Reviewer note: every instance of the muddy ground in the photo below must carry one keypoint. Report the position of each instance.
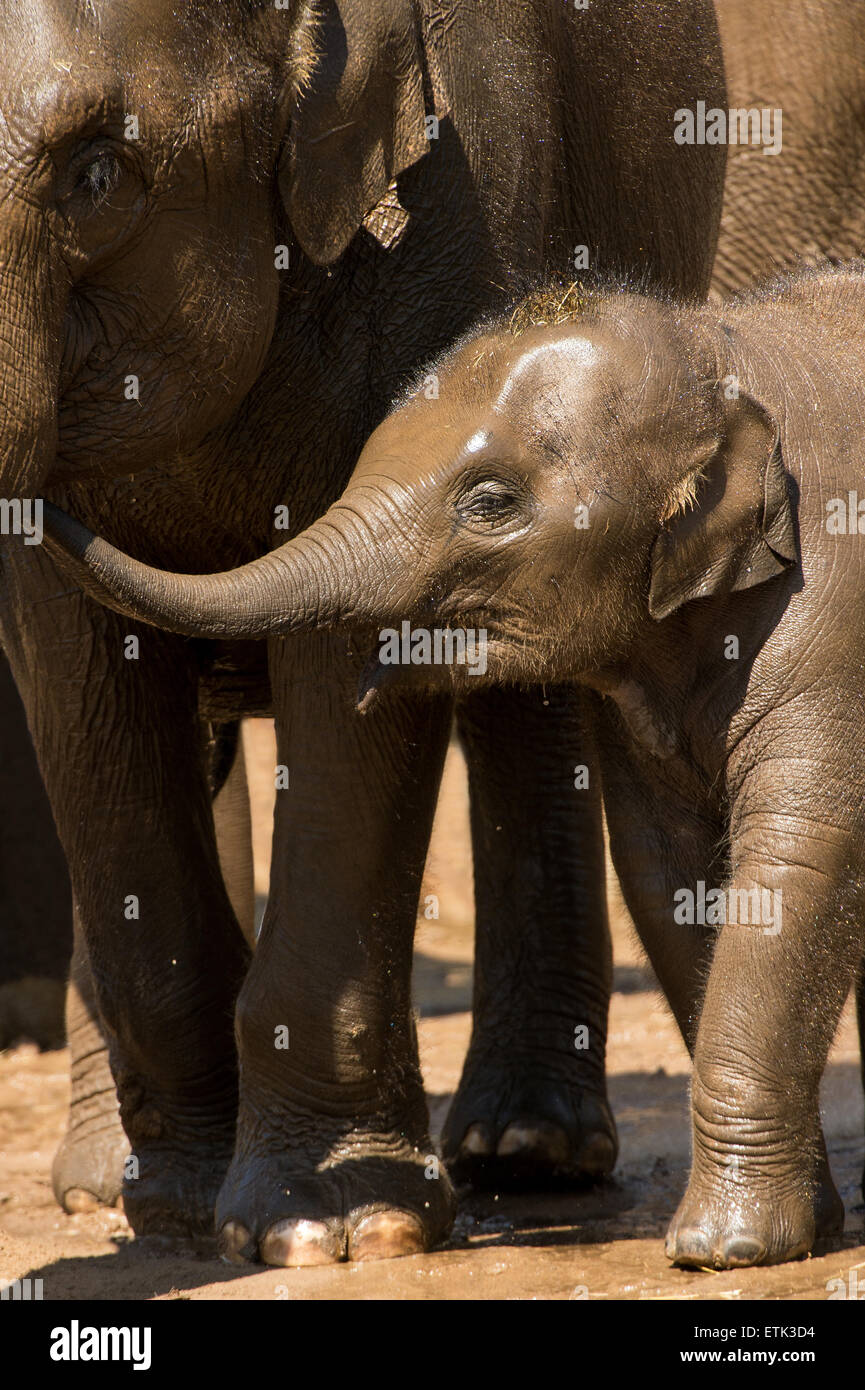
(603, 1243)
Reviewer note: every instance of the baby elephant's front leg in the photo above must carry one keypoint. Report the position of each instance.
(760, 1191)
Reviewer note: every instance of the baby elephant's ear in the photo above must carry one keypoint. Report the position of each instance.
(741, 528)
(357, 121)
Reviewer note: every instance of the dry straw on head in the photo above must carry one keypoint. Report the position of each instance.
(547, 307)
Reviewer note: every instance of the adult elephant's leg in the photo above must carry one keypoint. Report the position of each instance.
(860, 1012)
(35, 899)
(88, 1167)
(233, 824)
(660, 842)
(121, 751)
(333, 1156)
(532, 1101)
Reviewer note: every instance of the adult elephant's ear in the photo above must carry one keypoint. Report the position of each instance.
(734, 525)
(357, 121)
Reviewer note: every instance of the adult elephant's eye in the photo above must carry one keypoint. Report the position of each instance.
(100, 178)
(101, 196)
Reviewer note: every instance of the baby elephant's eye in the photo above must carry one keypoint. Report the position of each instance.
(490, 503)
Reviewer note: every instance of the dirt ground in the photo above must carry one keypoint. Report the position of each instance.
(604, 1243)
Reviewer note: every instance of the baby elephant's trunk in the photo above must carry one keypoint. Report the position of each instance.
(329, 575)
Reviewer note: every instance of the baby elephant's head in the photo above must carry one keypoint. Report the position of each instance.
(544, 492)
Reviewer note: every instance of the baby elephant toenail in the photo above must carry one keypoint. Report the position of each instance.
(384, 1235)
(298, 1242)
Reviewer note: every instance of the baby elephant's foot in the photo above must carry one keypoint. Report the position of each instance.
(525, 1132)
(370, 1198)
(734, 1223)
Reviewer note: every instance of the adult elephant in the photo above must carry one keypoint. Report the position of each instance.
(35, 901)
(89, 1165)
(230, 235)
(808, 201)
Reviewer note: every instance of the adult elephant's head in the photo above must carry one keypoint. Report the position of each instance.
(148, 153)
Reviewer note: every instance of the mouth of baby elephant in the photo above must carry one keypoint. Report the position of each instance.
(426, 655)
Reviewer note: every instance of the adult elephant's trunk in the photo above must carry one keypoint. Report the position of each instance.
(332, 573)
(33, 296)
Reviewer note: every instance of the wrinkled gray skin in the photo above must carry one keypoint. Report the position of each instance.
(88, 1167)
(741, 767)
(35, 902)
(155, 258)
(36, 917)
(808, 201)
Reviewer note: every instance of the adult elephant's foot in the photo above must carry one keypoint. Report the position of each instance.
(369, 1197)
(169, 1172)
(87, 1171)
(172, 1191)
(180, 1149)
(509, 1128)
(738, 1211)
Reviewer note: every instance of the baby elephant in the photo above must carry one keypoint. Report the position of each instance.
(657, 501)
